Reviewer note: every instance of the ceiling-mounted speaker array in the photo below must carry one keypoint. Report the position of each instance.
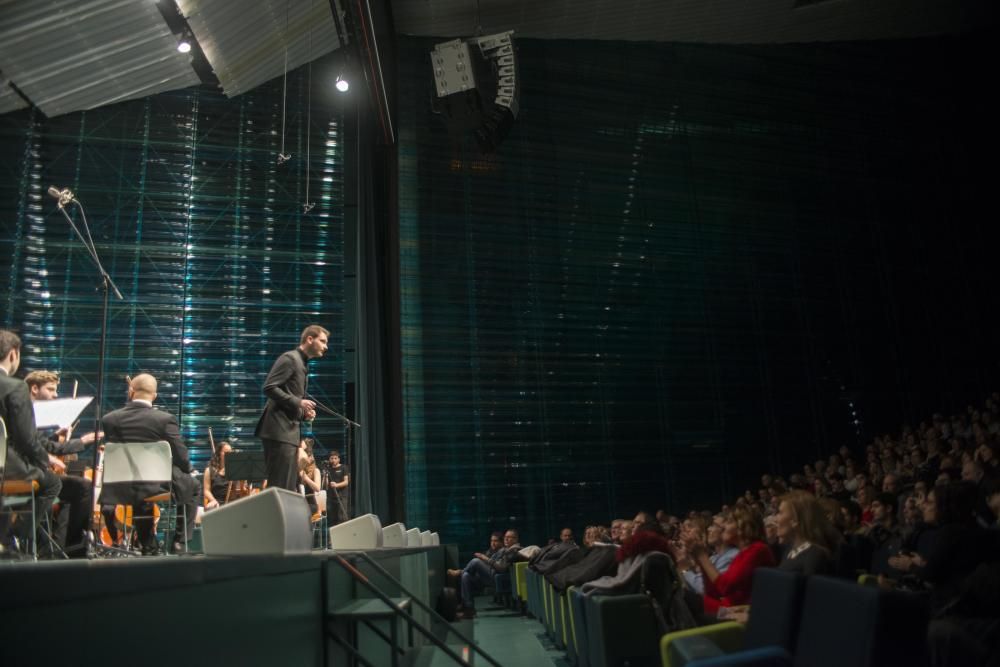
(477, 86)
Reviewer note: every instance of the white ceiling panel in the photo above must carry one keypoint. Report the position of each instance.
(245, 40)
(72, 55)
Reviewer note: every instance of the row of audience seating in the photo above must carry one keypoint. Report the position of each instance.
(794, 619)
(813, 621)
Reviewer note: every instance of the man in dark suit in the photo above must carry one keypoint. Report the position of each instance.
(285, 388)
(139, 421)
(26, 458)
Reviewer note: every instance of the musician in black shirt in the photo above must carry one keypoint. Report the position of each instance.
(338, 501)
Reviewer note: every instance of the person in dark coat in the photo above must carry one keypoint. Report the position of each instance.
(804, 529)
(26, 458)
(287, 406)
(138, 422)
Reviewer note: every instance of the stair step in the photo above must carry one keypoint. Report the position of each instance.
(369, 608)
(430, 656)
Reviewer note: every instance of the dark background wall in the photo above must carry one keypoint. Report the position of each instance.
(682, 267)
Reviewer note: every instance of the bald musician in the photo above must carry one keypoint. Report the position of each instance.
(139, 421)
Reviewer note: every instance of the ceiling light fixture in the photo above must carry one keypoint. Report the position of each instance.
(184, 46)
(342, 84)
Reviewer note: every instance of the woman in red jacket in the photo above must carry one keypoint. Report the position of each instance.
(744, 529)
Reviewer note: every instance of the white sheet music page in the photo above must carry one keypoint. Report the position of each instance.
(59, 412)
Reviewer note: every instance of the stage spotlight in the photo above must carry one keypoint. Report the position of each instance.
(343, 85)
(184, 46)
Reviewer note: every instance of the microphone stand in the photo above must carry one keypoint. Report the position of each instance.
(107, 284)
(350, 423)
(331, 411)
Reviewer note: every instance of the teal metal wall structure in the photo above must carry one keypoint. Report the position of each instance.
(206, 236)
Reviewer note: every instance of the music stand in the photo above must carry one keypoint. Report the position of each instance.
(248, 466)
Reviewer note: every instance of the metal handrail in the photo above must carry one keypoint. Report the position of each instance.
(430, 610)
(359, 576)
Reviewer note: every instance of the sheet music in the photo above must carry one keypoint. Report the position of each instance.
(59, 412)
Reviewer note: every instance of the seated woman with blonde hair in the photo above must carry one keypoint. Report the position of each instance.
(810, 540)
(743, 529)
(310, 478)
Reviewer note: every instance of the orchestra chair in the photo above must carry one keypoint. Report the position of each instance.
(145, 463)
(20, 493)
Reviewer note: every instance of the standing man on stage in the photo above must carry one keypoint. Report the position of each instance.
(26, 458)
(285, 388)
(137, 422)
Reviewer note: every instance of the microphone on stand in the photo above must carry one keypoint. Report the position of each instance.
(65, 196)
(331, 411)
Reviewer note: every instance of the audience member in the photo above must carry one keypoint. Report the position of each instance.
(953, 547)
(481, 569)
(721, 555)
(744, 530)
(810, 538)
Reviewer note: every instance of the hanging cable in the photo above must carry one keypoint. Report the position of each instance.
(284, 157)
(308, 205)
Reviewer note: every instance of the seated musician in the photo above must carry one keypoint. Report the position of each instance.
(75, 496)
(216, 488)
(26, 458)
(338, 480)
(139, 421)
(309, 475)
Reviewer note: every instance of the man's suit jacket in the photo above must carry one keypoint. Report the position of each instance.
(284, 387)
(140, 423)
(19, 416)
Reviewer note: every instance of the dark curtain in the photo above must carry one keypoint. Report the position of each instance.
(378, 460)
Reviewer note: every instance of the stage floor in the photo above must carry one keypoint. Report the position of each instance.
(195, 609)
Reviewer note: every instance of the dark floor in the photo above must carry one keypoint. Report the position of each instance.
(514, 640)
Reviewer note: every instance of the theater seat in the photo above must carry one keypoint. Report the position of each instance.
(844, 623)
(521, 584)
(503, 588)
(578, 621)
(774, 622)
(774, 618)
(621, 628)
(772, 656)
